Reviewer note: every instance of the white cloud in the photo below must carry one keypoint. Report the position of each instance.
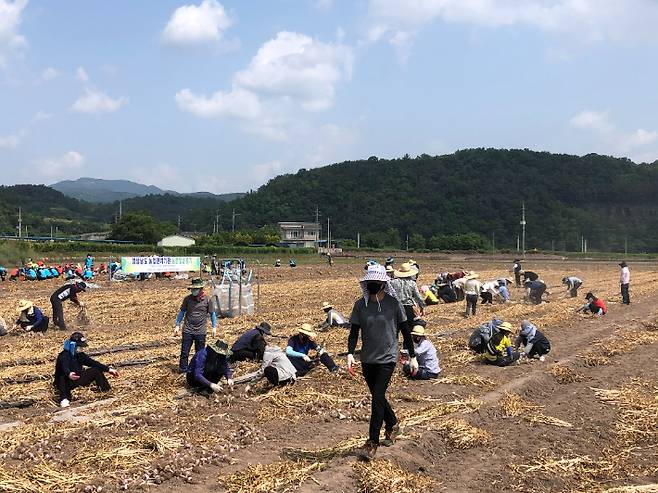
(81, 75)
(585, 20)
(41, 116)
(263, 172)
(95, 102)
(593, 120)
(613, 140)
(10, 20)
(297, 66)
(289, 75)
(64, 166)
(9, 141)
(50, 73)
(197, 24)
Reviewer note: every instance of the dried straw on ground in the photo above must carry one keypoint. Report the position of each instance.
(382, 476)
(566, 374)
(430, 413)
(638, 403)
(467, 379)
(460, 434)
(276, 477)
(514, 405)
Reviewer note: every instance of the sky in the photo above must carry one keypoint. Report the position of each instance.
(222, 96)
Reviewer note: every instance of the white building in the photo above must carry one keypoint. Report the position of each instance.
(300, 235)
(176, 241)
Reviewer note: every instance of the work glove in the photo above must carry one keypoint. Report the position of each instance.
(113, 372)
(306, 358)
(29, 327)
(230, 382)
(413, 365)
(214, 332)
(74, 376)
(350, 361)
(177, 330)
(81, 305)
(215, 387)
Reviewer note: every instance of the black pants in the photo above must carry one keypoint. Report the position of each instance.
(539, 349)
(421, 374)
(409, 312)
(471, 304)
(304, 367)
(487, 297)
(517, 279)
(243, 354)
(42, 326)
(65, 385)
(58, 313)
(378, 376)
(574, 291)
(625, 296)
(505, 360)
(186, 344)
(536, 294)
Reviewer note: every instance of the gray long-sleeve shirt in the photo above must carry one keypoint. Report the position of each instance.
(407, 292)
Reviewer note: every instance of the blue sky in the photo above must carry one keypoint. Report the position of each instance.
(222, 96)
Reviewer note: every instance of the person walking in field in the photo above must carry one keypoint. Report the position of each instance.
(472, 289)
(378, 317)
(572, 283)
(194, 311)
(625, 281)
(66, 292)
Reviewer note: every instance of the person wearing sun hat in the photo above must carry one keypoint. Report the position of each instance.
(379, 318)
(70, 371)
(298, 349)
(251, 345)
(334, 317)
(209, 366)
(30, 317)
(407, 291)
(472, 290)
(194, 311)
(499, 349)
(625, 281)
(428, 361)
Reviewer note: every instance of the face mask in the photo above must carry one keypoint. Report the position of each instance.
(195, 292)
(374, 287)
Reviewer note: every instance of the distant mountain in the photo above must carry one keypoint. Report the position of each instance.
(106, 191)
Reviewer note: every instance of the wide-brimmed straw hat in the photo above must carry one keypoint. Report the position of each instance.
(307, 330)
(471, 275)
(406, 270)
(196, 284)
(326, 305)
(221, 348)
(24, 305)
(418, 330)
(506, 326)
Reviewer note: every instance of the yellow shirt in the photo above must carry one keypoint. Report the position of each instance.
(501, 348)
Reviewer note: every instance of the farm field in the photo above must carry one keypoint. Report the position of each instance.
(586, 419)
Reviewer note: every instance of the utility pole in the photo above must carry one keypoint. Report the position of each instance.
(233, 221)
(51, 232)
(179, 223)
(518, 243)
(358, 241)
(407, 242)
(493, 244)
(20, 222)
(582, 244)
(120, 208)
(585, 245)
(523, 228)
(328, 236)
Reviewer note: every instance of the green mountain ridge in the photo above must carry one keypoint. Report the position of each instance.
(609, 201)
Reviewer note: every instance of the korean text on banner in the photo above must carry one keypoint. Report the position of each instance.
(137, 265)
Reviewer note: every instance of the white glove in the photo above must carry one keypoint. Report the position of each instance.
(321, 351)
(230, 382)
(350, 361)
(413, 365)
(113, 372)
(306, 358)
(81, 305)
(177, 330)
(214, 331)
(216, 387)
(28, 327)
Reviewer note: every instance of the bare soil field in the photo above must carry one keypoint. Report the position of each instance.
(586, 419)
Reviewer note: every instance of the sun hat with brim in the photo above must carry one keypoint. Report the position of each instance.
(326, 305)
(376, 273)
(265, 328)
(506, 326)
(196, 284)
(471, 275)
(418, 330)
(307, 330)
(24, 305)
(406, 270)
(221, 348)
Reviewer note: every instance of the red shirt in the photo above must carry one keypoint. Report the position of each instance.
(599, 304)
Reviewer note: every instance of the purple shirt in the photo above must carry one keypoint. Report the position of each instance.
(198, 364)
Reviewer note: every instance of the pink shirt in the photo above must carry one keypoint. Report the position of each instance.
(625, 277)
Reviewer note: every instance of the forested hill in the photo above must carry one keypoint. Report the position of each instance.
(480, 190)
(607, 200)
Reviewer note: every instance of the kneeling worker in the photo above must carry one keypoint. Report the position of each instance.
(251, 344)
(208, 366)
(499, 350)
(534, 342)
(428, 362)
(594, 305)
(70, 371)
(30, 317)
(299, 347)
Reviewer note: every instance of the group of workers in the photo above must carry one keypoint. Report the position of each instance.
(41, 271)
(390, 303)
